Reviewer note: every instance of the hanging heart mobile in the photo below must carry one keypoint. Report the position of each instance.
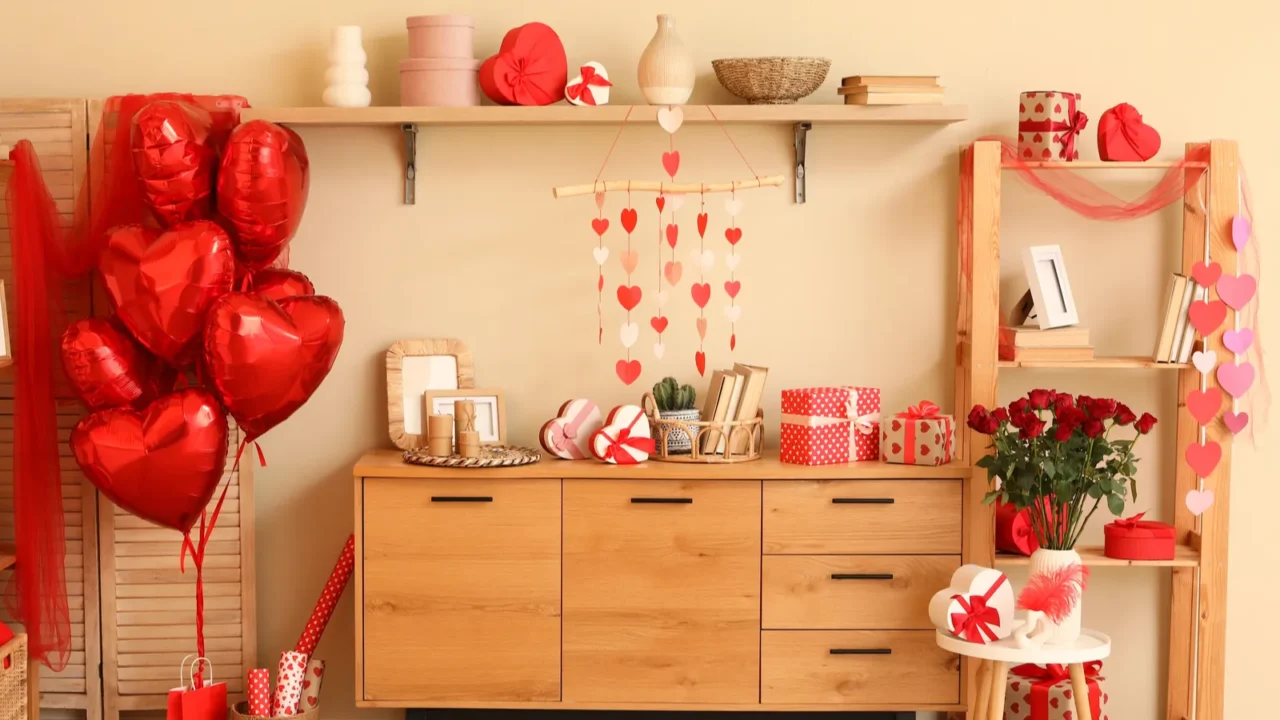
(629, 297)
(733, 234)
(703, 259)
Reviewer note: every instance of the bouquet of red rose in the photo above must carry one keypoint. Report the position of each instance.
(1054, 453)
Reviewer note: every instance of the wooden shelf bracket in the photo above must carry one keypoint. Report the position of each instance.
(410, 162)
(802, 140)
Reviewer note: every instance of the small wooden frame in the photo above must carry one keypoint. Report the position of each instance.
(413, 367)
(662, 430)
(491, 411)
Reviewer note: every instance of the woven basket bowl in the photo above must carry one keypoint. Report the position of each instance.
(771, 80)
(240, 711)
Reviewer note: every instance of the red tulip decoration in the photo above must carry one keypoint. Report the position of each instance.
(262, 189)
(107, 369)
(175, 156)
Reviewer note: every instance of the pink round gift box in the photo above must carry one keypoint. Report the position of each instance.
(441, 82)
(440, 36)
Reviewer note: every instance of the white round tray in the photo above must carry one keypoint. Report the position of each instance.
(1089, 647)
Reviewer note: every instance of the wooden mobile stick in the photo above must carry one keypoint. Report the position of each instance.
(664, 187)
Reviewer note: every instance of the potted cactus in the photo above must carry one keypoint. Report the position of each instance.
(676, 402)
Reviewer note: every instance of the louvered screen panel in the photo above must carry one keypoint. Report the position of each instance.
(57, 129)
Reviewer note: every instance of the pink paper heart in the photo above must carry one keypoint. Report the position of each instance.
(1235, 379)
(1238, 341)
(1204, 458)
(1241, 229)
(1199, 500)
(702, 328)
(630, 259)
(1237, 290)
(1235, 422)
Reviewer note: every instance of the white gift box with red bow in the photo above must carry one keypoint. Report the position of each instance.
(590, 87)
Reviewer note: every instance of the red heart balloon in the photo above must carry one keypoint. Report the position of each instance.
(175, 157)
(265, 359)
(279, 284)
(162, 464)
(107, 369)
(162, 284)
(262, 189)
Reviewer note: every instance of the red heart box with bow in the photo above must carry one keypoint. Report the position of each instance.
(530, 68)
(1122, 136)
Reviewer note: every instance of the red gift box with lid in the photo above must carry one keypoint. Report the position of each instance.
(827, 425)
(1137, 539)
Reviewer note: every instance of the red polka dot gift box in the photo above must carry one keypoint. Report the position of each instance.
(920, 436)
(828, 425)
(1049, 124)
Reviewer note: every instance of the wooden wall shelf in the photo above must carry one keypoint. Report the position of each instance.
(1093, 556)
(1099, 363)
(1101, 165)
(801, 117)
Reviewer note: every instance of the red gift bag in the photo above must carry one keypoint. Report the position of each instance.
(189, 702)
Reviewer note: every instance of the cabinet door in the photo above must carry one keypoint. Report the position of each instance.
(461, 590)
(661, 591)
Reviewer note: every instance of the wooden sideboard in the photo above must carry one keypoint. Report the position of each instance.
(755, 586)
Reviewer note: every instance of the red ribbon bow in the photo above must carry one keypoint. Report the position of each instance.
(977, 617)
(625, 439)
(921, 411)
(581, 90)
(1131, 522)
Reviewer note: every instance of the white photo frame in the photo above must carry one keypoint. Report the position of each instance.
(491, 411)
(1046, 272)
(414, 367)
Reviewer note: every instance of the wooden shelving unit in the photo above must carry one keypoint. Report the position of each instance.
(1092, 556)
(1197, 616)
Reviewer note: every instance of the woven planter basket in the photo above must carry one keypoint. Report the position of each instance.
(13, 679)
(771, 80)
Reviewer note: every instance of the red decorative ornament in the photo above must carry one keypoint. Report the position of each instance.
(276, 284)
(529, 69)
(262, 189)
(175, 156)
(1122, 136)
(265, 359)
(162, 284)
(107, 369)
(162, 464)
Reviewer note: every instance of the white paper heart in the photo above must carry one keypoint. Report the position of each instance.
(733, 313)
(628, 334)
(663, 297)
(599, 93)
(1199, 500)
(732, 261)
(733, 206)
(601, 254)
(1204, 361)
(670, 118)
(659, 350)
(675, 201)
(703, 258)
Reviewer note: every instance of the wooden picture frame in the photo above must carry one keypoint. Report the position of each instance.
(491, 411)
(1046, 272)
(413, 367)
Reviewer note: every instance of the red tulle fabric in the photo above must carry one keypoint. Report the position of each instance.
(49, 256)
(1077, 193)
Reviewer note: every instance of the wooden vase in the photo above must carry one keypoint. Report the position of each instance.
(666, 68)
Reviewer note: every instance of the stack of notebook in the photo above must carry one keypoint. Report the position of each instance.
(733, 395)
(891, 90)
(1031, 344)
(1177, 336)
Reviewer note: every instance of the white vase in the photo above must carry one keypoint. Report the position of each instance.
(1044, 561)
(666, 68)
(347, 79)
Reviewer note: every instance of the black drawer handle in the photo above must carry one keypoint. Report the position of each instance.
(861, 651)
(661, 501)
(461, 498)
(861, 576)
(861, 501)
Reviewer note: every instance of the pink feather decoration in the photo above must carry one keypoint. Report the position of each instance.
(1055, 593)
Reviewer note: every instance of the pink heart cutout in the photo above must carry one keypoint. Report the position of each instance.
(1241, 229)
(1238, 341)
(1235, 379)
(630, 259)
(1235, 422)
(1199, 500)
(1204, 458)
(702, 328)
(671, 162)
(1237, 290)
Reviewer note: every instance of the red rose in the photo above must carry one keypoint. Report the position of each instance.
(1102, 408)
(1124, 415)
(1018, 407)
(1071, 416)
(1063, 433)
(1033, 428)
(1145, 423)
(1040, 399)
(1001, 415)
(978, 418)
(1063, 400)
(1093, 428)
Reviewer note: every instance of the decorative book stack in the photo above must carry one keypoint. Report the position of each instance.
(891, 90)
(1030, 343)
(1178, 336)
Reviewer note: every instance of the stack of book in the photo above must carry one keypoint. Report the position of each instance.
(891, 90)
(1029, 343)
(733, 395)
(1177, 336)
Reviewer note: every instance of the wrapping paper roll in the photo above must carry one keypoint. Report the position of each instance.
(293, 666)
(311, 686)
(259, 691)
(338, 580)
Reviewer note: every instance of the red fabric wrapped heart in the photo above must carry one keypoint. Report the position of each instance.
(530, 68)
(1122, 136)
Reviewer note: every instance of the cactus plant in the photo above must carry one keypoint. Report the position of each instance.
(671, 396)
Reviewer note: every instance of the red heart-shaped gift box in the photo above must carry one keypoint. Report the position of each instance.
(530, 68)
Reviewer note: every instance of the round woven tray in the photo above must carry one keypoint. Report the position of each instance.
(771, 80)
(490, 456)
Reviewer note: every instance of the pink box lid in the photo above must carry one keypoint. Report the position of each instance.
(422, 20)
(439, 64)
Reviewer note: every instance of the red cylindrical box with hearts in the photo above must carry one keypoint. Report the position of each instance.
(1049, 123)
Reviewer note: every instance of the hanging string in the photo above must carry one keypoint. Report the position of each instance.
(614, 145)
(731, 142)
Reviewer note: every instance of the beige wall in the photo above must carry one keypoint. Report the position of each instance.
(854, 287)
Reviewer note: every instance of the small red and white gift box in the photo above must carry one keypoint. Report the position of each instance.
(1033, 692)
(1137, 539)
(828, 425)
(920, 436)
(1048, 123)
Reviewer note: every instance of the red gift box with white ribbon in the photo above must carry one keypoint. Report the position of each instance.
(827, 425)
(1048, 125)
(1137, 539)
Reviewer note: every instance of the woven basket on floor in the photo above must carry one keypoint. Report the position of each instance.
(13, 679)
(241, 712)
(771, 80)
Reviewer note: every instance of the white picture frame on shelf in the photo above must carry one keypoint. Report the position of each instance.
(1046, 272)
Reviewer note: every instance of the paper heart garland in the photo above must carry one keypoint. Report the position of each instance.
(733, 313)
(629, 296)
(1198, 501)
(625, 438)
(1204, 361)
(1237, 290)
(1204, 404)
(671, 162)
(601, 254)
(630, 259)
(529, 68)
(1203, 459)
(1122, 136)
(1235, 421)
(733, 206)
(1241, 230)
(1238, 341)
(107, 369)
(1206, 316)
(590, 87)
(627, 370)
(1235, 379)
(659, 350)
(568, 434)
(976, 606)
(672, 271)
(1206, 275)
(163, 463)
(701, 293)
(673, 234)
(628, 334)
(659, 324)
(670, 118)
(629, 217)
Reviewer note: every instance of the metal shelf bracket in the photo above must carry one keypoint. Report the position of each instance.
(802, 139)
(410, 162)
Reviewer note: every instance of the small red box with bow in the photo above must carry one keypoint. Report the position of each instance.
(826, 425)
(920, 436)
(1137, 539)
(1048, 126)
(1044, 693)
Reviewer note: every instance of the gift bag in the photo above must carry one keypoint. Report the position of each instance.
(188, 702)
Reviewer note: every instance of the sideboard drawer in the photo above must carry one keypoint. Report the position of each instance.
(862, 517)
(461, 590)
(852, 592)
(902, 668)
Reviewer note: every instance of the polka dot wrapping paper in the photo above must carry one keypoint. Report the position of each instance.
(919, 436)
(828, 425)
(259, 692)
(338, 580)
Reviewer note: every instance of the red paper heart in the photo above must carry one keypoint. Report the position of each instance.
(1207, 316)
(1122, 136)
(702, 224)
(1206, 275)
(600, 225)
(628, 370)
(659, 324)
(733, 341)
(162, 284)
(671, 162)
(600, 282)
(731, 287)
(661, 202)
(673, 234)
(1204, 404)
(701, 293)
(265, 359)
(629, 217)
(1204, 458)
(700, 362)
(162, 464)
(107, 369)
(629, 296)
(733, 235)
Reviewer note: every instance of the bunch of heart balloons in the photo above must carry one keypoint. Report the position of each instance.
(206, 323)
